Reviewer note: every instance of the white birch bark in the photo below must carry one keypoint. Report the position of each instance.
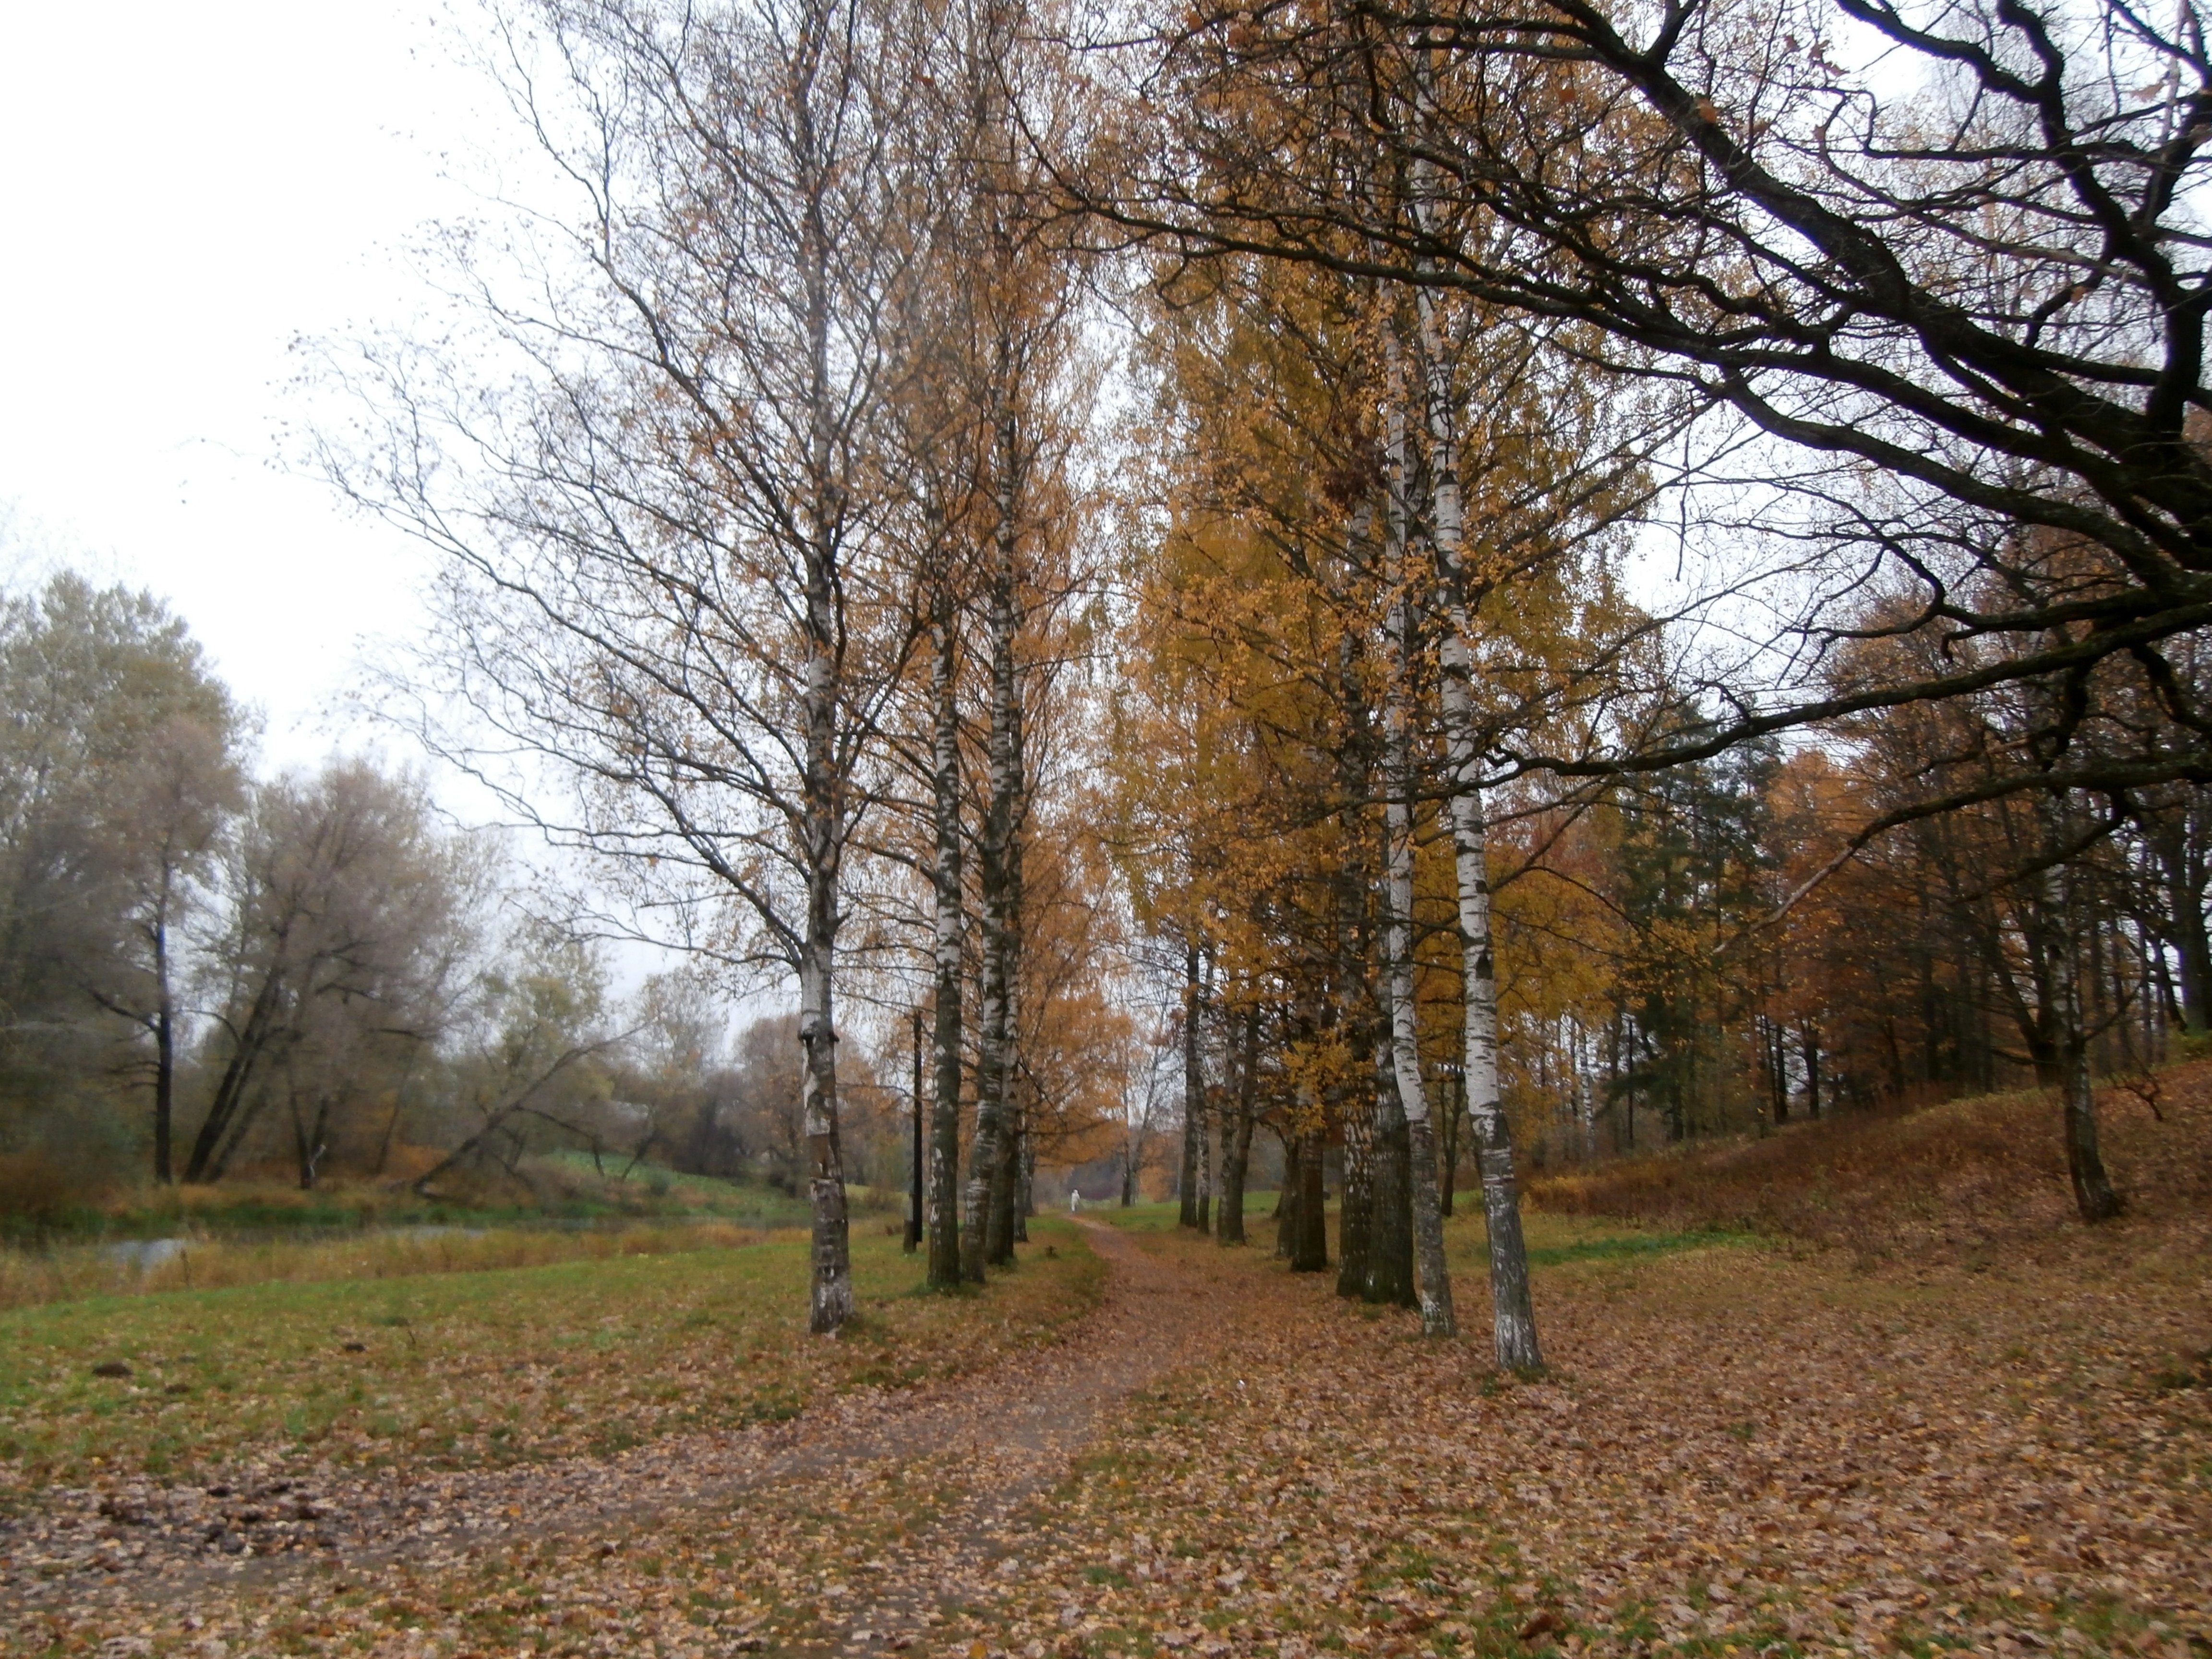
(990, 1177)
(1513, 1315)
(824, 818)
(1434, 1280)
(948, 945)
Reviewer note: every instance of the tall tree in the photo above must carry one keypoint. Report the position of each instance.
(666, 565)
(117, 771)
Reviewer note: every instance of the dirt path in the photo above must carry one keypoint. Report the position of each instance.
(989, 1442)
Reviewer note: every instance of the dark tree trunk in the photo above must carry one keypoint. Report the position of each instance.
(1455, 1114)
(1206, 1150)
(1194, 1093)
(165, 1093)
(1309, 1248)
(2193, 946)
(228, 1110)
(1236, 1149)
(165, 1047)
(1390, 1276)
(2094, 1193)
(1809, 1040)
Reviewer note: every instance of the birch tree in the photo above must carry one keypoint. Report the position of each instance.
(664, 574)
(1400, 784)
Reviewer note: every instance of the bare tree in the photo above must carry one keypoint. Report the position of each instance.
(666, 567)
(344, 909)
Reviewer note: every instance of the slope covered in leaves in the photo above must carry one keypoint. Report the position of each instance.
(1956, 1179)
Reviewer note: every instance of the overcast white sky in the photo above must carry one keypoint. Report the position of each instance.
(188, 189)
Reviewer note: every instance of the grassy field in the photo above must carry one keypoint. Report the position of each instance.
(462, 1368)
(160, 1239)
(566, 1187)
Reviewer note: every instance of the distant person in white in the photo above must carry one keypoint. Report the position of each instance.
(1074, 1200)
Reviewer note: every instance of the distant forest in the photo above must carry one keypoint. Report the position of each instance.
(305, 975)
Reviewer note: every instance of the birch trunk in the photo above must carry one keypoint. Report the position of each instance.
(1005, 1227)
(1355, 1209)
(1512, 1313)
(990, 1181)
(832, 1299)
(823, 828)
(949, 946)
(823, 808)
(1437, 1318)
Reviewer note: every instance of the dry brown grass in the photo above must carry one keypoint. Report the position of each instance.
(65, 1272)
(1949, 1180)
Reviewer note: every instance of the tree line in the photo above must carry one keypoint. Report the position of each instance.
(309, 975)
(1628, 564)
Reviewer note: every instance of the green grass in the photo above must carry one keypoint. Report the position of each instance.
(1553, 1240)
(462, 1369)
(570, 1191)
(1631, 1244)
(1259, 1207)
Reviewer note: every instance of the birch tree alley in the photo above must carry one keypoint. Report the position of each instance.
(1317, 428)
(994, 390)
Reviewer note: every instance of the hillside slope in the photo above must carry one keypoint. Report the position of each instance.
(1952, 1180)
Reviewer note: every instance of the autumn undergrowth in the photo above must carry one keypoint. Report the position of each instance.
(445, 1369)
(558, 1188)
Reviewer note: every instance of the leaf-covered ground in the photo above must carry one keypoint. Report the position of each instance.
(1737, 1451)
(1742, 1448)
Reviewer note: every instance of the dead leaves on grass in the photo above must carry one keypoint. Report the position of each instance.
(1738, 1451)
(1754, 1454)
